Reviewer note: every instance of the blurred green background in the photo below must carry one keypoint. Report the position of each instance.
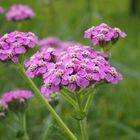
(115, 111)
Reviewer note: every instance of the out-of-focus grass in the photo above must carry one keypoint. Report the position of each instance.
(115, 112)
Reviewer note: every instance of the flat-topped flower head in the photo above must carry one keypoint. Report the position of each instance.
(49, 42)
(38, 63)
(17, 100)
(1, 10)
(78, 67)
(19, 13)
(16, 43)
(103, 34)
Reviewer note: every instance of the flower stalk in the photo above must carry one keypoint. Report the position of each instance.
(22, 133)
(82, 120)
(48, 106)
(69, 99)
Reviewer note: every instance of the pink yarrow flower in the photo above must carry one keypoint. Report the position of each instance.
(56, 43)
(75, 68)
(19, 96)
(49, 42)
(16, 43)
(19, 13)
(103, 34)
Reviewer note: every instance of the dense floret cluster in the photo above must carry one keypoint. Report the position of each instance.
(103, 34)
(16, 43)
(77, 67)
(56, 43)
(20, 12)
(50, 42)
(19, 96)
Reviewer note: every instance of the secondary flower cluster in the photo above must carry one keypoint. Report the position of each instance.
(16, 43)
(56, 43)
(15, 101)
(49, 42)
(20, 12)
(77, 67)
(19, 96)
(103, 34)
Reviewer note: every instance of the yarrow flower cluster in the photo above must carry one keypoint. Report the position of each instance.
(15, 101)
(56, 43)
(50, 42)
(18, 96)
(20, 12)
(1, 10)
(16, 43)
(77, 67)
(103, 34)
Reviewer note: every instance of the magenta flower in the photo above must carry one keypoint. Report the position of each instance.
(1, 10)
(77, 67)
(56, 43)
(17, 100)
(19, 96)
(65, 44)
(103, 34)
(19, 13)
(16, 43)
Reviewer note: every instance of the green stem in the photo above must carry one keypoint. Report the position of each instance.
(82, 122)
(83, 127)
(19, 26)
(48, 106)
(22, 127)
(69, 99)
(89, 100)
